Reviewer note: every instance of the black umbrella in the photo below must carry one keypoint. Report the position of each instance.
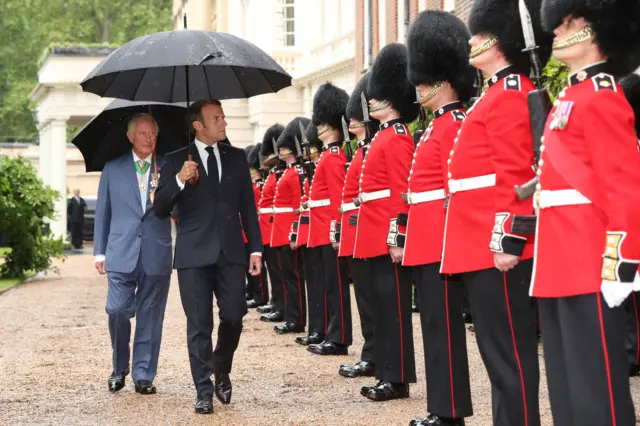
(104, 137)
(153, 68)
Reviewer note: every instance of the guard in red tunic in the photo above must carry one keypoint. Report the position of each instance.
(318, 307)
(285, 205)
(492, 153)
(588, 227)
(439, 69)
(259, 286)
(383, 179)
(344, 237)
(273, 312)
(329, 105)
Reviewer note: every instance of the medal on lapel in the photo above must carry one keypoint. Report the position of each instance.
(154, 179)
(561, 115)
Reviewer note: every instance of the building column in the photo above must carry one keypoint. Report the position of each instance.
(44, 157)
(58, 174)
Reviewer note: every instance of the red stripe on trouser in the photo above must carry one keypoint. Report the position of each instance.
(635, 311)
(284, 285)
(341, 307)
(299, 289)
(606, 362)
(326, 314)
(515, 349)
(400, 317)
(446, 305)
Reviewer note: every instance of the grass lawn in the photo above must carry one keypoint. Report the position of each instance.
(7, 283)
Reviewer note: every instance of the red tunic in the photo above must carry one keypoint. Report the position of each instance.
(265, 206)
(350, 191)
(428, 179)
(387, 167)
(599, 138)
(286, 201)
(492, 153)
(325, 191)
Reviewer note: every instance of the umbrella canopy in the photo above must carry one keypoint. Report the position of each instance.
(153, 68)
(104, 137)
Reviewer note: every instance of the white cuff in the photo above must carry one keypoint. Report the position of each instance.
(98, 258)
(180, 184)
(256, 254)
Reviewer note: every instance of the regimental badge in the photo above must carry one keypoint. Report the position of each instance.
(512, 82)
(399, 129)
(458, 115)
(604, 81)
(582, 75)
(561, 115)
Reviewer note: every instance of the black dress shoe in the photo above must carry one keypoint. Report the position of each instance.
(433, 420)
(254, 304)
(386, 391)
(116, 381)
(204, 405)
(472, 328)
(634, 370)
(312, 339)
(467, 318)
(145, 387)
(248, 296)
(364, 391)
(265, 309)
(223, 388)
(359, 369)
(276, 316)
(289, 327)
(415, 308)
(328, 348)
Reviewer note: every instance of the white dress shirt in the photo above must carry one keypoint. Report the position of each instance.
(204, 156)
(143, 193)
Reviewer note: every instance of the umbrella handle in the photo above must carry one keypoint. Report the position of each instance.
(194, 180)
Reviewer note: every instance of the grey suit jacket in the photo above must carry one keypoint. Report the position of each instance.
(121, 231)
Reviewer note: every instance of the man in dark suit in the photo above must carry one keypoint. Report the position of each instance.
(210, 253)
(75, 212)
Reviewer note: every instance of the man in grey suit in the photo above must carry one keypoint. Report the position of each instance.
(133, 247)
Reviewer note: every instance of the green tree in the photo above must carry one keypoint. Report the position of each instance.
(25, 203)
(27, 27)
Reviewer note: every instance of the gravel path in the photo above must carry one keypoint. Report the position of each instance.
(55, 359)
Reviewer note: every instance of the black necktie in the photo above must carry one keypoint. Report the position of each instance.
(212, 167)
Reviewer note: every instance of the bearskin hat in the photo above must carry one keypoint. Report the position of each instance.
(616, 24)
(502, 19)
(631, 86)
(354, 106)
(254, 157)
(248, 149)
(388, 81)
(329, 105)
(438, 44)
(288, 137)
(272, 133)
(311, 133)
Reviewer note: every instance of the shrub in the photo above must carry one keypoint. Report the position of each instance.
(25, 202)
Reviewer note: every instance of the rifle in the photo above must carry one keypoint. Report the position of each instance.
(308, 166)
(365, 118)
(347, 141)
(279, 167)
(538, 100)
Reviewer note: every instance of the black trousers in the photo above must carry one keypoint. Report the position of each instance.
(295, 309)
(335, 286)
(632, 338)
(275, 278)
(197, 288)
(586, 361)
(506, 331)
(258, 286)
(445, 342)
(316, 296)
(391, 305)
(77, 235)
(362, 285)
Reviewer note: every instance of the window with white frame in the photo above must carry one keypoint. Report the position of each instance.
(449, 5)
(289, 22)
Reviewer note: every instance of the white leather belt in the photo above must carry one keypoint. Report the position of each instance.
(365, 197)
(319, 203)
(347, 207)
(424, 197)
(265, 210)
(563, 197)
(468, 184)
(277, 210)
